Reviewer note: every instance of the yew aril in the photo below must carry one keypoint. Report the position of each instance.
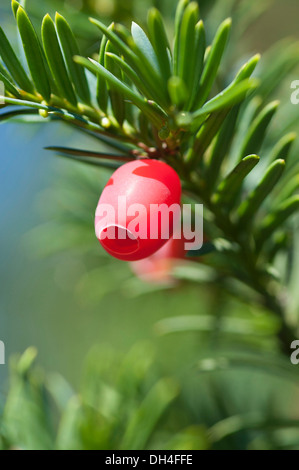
(147, 183)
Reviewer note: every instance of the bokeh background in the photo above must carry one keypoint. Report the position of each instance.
(60, 294)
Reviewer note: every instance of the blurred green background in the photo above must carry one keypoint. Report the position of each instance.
(61, 295)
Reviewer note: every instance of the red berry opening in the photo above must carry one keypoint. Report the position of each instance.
(118, 240)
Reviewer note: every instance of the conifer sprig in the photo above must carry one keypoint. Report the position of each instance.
(160, 99)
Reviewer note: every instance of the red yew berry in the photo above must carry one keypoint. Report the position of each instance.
(137, 209)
